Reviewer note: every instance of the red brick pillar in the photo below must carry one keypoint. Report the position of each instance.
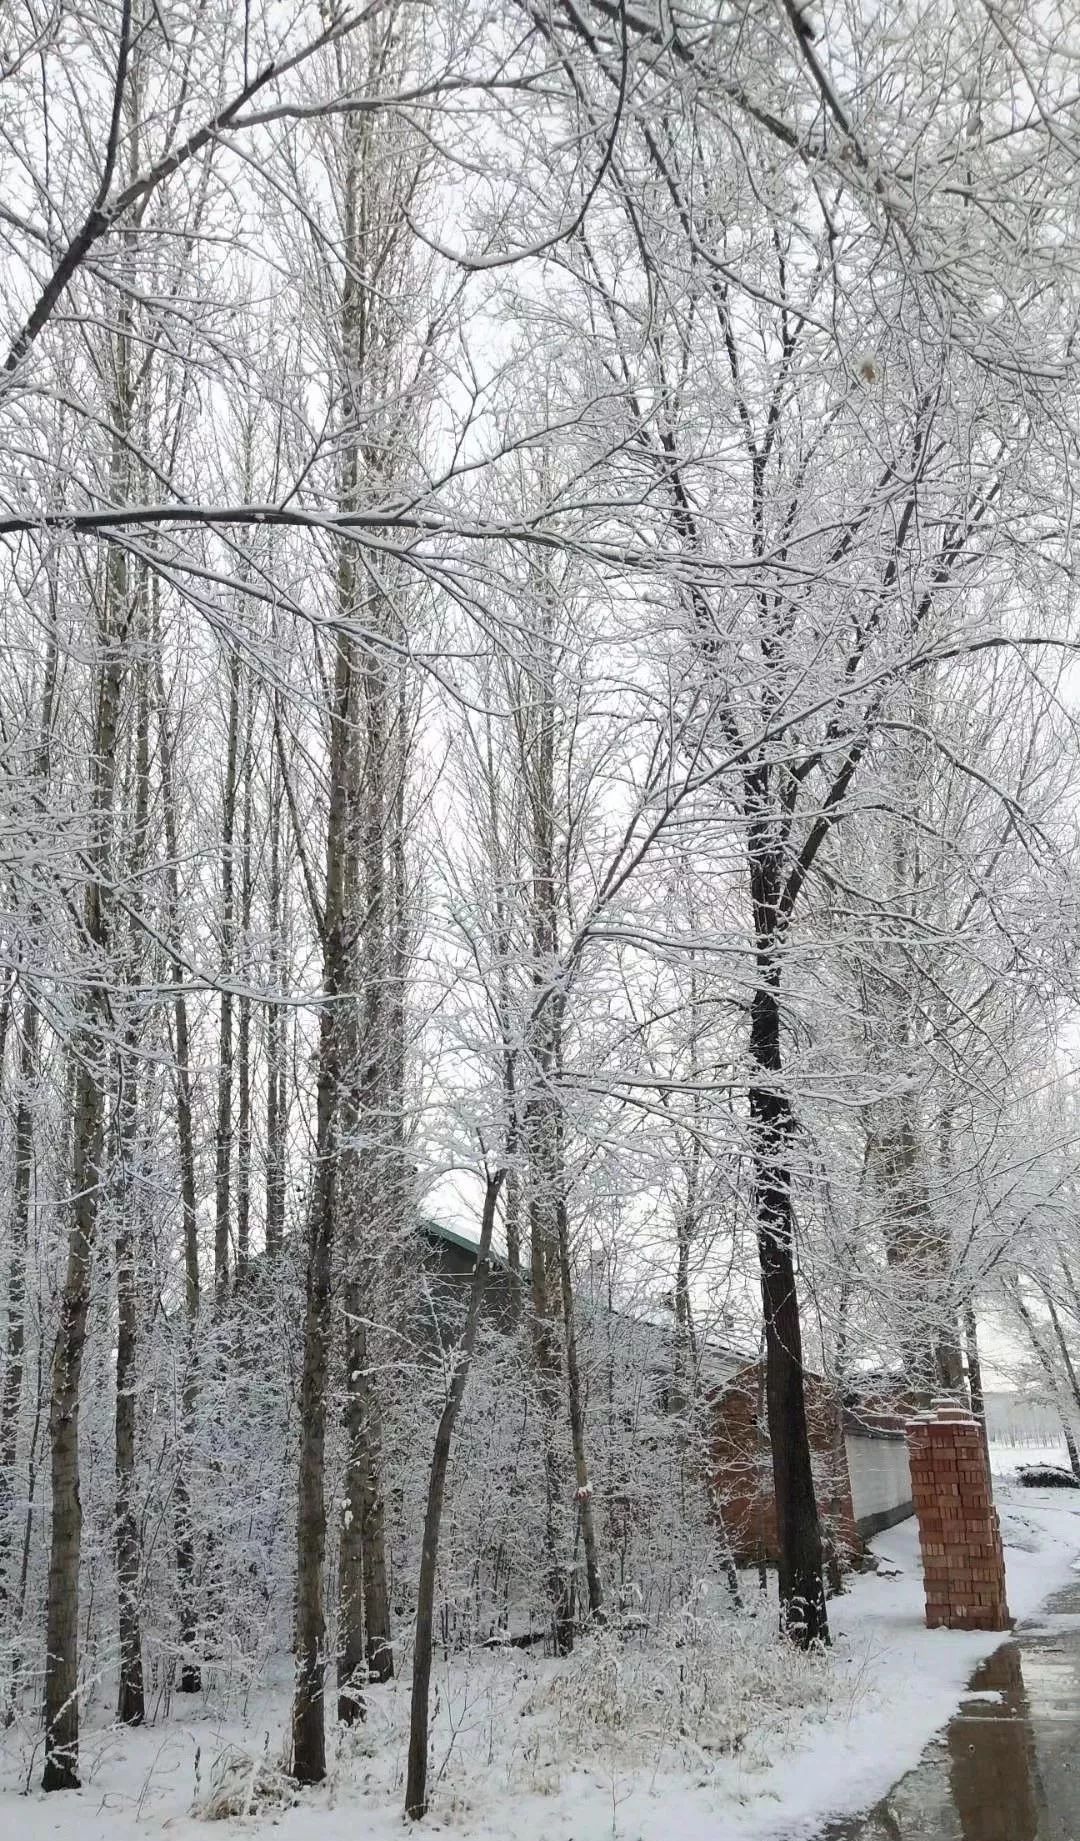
(963, 1564)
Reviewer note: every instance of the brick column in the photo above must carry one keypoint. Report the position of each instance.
(963, 1563)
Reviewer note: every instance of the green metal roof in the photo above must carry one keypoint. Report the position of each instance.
(436, 1230)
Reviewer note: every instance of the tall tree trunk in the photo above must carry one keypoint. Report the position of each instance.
(378, 1641)
(223, 1139)
(1063, 1346)
(686, 1359)
(802, 1589)
(416, 1776)
(62, 1615)
(351, 1664)
(974, 1370)
(373, 1185)
(918, 1254)
(243, 1044)
(131, 1709)
(542, 1133)
(23, 1174)
(576, 1398)
(308, 1715)
(275, 1047)
(381, 1052)
(308, 1729)
(90, 1057)
(547, 1365)
(190, 1672)
(11, 1394)
(1053, 1386)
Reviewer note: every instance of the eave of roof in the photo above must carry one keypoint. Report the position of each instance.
(435, 1230)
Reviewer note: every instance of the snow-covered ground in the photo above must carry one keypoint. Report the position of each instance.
(716, 1732)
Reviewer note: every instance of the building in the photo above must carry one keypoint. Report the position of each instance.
(861, 1474)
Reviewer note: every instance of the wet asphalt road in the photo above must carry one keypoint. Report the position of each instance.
(1007, 1767)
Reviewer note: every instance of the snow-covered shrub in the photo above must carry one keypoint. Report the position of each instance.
(244, 1784)
(710, 1682)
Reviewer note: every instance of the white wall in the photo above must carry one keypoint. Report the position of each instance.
(880, 1474)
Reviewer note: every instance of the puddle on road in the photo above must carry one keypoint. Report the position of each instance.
(1007, 1767)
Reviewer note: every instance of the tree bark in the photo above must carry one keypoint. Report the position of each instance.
(190, 1672)
(373, 1184)
(308, 1716)
(223, 1135)
(547, 1365)
(243, 1043)
(131, 1708)
(351, 1667)
(1047, 1366)
(275, 1048)
(90, 1057)
(416, 1777)
(974, 1371)
(1066, 1353)
(62, 1614)
(575, 1393)
(23, 1173)
(803, 1615)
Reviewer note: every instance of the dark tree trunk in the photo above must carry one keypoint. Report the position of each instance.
(308, 1712)
(16, 1283)
(351, 1665)
(243, 1043)
(547, 1363)
(576, 1401)
(275, 1050)
(308, 1720)
(223, 1133)
(802, 1589)
(131, 1708)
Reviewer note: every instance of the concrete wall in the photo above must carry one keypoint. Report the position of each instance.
(880, 1480)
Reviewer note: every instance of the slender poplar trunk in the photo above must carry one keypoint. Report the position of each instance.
(586, 1516)
(416, 1777)
(1052, 1383)
(275, 1049)
(131, 1709)
(88, 1049)
(308, 1714)
(11, 1395)
(543, 1142)
(243, 1044)
(23, 1173)
(974, 1369)
(372, 1187)
(351, 1663)
(223, 1139)
(190, 1672)
(1062, 1343)
(547, 1365)
(90, 1057)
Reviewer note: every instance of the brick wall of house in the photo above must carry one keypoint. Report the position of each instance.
(742, 1468)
